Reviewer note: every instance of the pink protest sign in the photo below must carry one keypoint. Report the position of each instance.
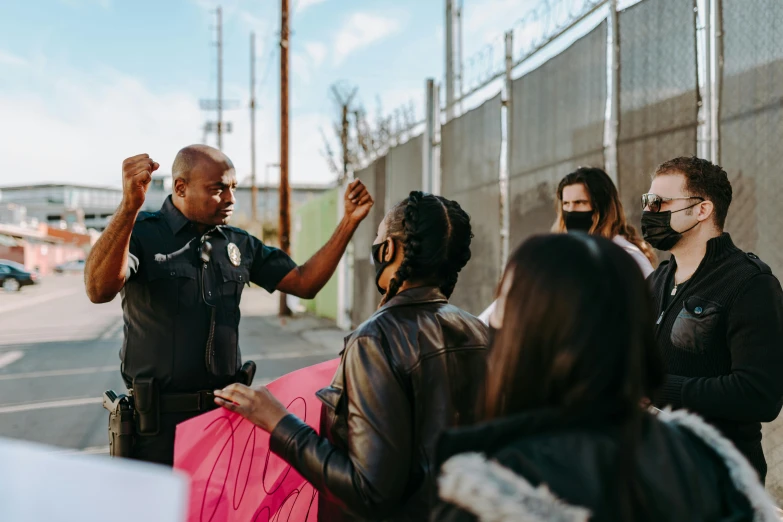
(234, 475)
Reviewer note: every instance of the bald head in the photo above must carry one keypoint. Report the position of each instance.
(204, 184)
(195, 158)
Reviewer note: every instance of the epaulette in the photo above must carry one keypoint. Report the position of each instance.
(763, 267)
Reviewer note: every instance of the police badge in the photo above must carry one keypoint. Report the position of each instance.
(233, 254)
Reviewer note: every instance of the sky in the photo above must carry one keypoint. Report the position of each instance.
(87, 83)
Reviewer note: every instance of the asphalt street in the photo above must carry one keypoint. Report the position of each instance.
(59, 353)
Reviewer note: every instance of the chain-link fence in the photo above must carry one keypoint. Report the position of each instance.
(659, 98)
(751, 150)
(557, 118)
(470, 165)
(553, 118)
(404, 170)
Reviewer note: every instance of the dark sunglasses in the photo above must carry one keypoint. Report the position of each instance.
(654, 201)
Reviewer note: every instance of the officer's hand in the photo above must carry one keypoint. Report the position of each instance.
(136, 176)
(358, 201)
(257, 405)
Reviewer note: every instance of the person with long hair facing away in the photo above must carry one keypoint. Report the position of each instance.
(562, 433)
(411, 370)
(587, 201)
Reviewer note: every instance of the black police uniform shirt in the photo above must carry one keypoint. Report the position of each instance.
(170, 293)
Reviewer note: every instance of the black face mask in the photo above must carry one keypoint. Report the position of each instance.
(578, 221)
(380, 264)
(657, 229)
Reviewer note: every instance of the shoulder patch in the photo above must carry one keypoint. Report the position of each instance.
(763, 267)
(145, 216)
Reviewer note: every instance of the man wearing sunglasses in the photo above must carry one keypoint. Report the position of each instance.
(720, 310)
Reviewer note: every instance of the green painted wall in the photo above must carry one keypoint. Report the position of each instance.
(313, 224)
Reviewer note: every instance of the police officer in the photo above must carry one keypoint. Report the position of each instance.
(181, 272)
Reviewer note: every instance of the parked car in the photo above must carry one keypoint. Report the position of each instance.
(71, 267)
(14, 276)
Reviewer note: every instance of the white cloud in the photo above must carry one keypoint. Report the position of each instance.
(82, 133)
(7, 58)
(303, 5)
(317, 53)
(361, 30)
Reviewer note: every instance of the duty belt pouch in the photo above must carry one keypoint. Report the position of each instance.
(147, 403)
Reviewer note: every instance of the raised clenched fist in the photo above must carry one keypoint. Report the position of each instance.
(136, 176)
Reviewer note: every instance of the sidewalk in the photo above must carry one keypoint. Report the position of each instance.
(282, 345)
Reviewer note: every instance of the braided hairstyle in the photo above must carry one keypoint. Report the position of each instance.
(435, 235)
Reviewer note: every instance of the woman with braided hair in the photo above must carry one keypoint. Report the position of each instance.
(413, 369)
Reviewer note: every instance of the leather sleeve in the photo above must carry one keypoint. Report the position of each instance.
(370, 478)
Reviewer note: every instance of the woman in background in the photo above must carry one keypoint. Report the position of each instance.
(588, 202)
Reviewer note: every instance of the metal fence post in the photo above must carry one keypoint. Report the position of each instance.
(436, 137)
(429, 137)
(705, 143)
(612, 125)
(345, 269)
(505, 173)
(717, 68)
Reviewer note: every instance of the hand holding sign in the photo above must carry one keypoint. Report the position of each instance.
(257, 404)
(234, 475)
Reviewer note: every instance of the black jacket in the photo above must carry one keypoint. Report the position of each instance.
(721, 337)
(537, 467)
(410, 371)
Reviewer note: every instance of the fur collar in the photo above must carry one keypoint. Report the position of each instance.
(496, 494)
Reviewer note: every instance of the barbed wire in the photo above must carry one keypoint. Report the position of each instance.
(540, 25)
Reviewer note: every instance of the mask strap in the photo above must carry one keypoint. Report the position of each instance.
(688, 208)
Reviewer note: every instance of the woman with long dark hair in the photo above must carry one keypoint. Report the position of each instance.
(411, 370)
(587, 201)
(562, 435)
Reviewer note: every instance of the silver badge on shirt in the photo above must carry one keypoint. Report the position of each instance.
(234, 255)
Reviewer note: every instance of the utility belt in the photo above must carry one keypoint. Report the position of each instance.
(138, 413)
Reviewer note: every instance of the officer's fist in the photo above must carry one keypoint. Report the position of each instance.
(136, 176)
(358, 201)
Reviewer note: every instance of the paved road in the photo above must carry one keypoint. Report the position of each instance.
(59, 353)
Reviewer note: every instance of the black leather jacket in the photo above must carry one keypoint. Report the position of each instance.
(413, 369)
(684, 469)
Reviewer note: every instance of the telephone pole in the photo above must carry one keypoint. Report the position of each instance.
(218, 104)
(285, 221)
(220, 78)
(253, 186)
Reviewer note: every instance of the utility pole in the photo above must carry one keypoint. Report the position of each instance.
(253, 186)
(218, 104)
(220, 78)
(285, 218)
